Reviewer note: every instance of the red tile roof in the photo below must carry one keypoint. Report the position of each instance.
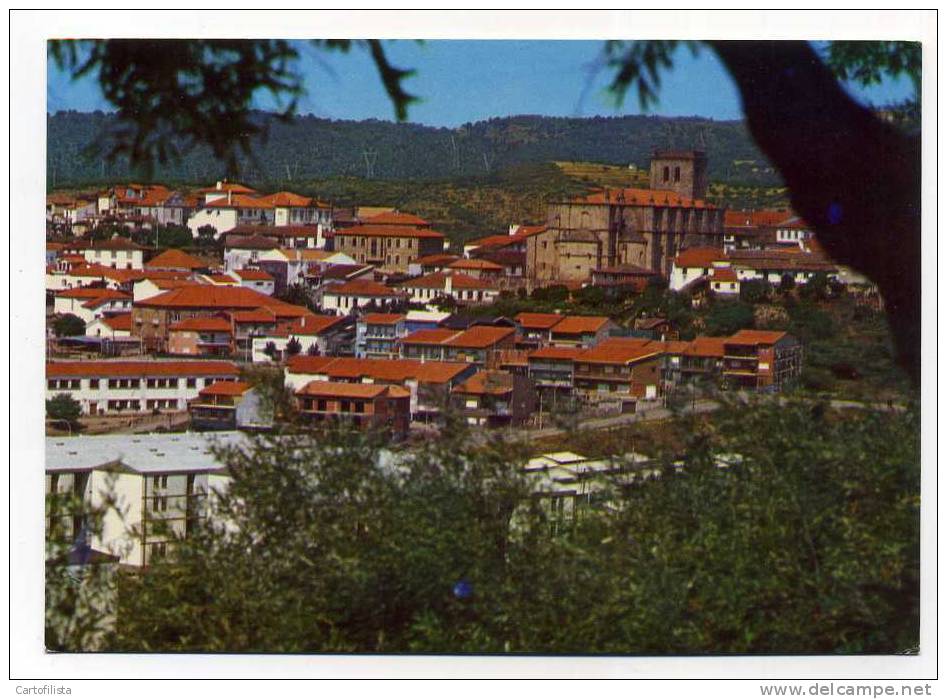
(465, 263)
(564, 353)
(362, 287)
(577, 325)
(92, 292)
(226, 388)
(699, 257)
(440, 259)
(382, 318)
(214, 324)
(438, 280)
(253, 275)
(140, 368)
(257, 315)
(332, 389)
(228, 187)
(396, 218)
(429, 336)
(175, 259)
(706, 347)
(399, 370)
(120, 321)
(493, 383)
(620, 351)
(756, 337)
(223, 298)
(309, 325)
(479, 336)
(538, 321)
(723, 274)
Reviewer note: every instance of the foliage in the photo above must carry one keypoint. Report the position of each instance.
(64, 408)
(808, 542)
(68, 325)
(270, 350)
(173, 94)
(206, 236)
(755, 291)
(808, 322)
(326, 156)
(293, 347)
(728, 317)
(870, 62)
(178, 237)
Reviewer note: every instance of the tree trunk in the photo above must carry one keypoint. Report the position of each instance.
(855, 179)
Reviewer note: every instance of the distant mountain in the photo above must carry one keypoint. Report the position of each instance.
(311, 148)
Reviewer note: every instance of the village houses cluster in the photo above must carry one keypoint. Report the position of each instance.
(365, 311)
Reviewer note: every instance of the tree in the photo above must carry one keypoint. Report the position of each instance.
(271, 351)
(206, 236)
(852, 176)
(786, 283)
(68, 325)
(64, 408)
(807, 542)
(727, 318)
(816, 287)
(293, 347)
(755, 291)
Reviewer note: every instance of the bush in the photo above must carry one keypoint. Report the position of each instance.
(817, 379)
(293, 347)
(728, 318)
(68, 326)
(63, 407)
(755, 291)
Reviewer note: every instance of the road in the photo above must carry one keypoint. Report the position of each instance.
(703, 405)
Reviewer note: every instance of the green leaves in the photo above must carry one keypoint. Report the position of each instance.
(331, 541)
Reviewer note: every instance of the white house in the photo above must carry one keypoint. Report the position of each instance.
(89, 303)
(125, 387)
(117, 252)
(343, 298)
(151, 488)
(255, 279)
(315, 334)
(463, 288)
(110, 326)
(692, 264)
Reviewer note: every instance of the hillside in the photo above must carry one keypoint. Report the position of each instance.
(310, 148)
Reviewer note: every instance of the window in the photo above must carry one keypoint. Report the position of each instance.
(677, 174)
(667, 174)
(93, 383)
(192, 383)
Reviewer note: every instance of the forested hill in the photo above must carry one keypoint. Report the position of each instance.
(312, 148)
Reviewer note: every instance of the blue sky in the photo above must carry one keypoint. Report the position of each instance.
(466, 81)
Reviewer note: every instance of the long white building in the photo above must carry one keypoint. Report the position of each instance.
(126, 387)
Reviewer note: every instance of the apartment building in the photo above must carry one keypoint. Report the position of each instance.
(391, 248)
(164, 486)
(109, 387)
(631, 367)
(428, 383)
(207, 337)
(152, 317)
(358, 293)
(366, 406)
(228, 405)
(761, 360)
(462, 288)
(316, 334)
(480, 345)
(377, 335)
(494, 399)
